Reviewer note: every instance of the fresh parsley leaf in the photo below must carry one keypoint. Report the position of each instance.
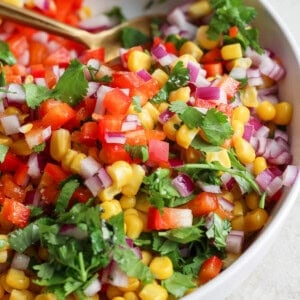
(116, 13)
(72, 85)
(178, 77)
(136, 101)
(35, 94)
(133, 37)
(117, 223)
(178, 284)
(137, 152)
(218, 231)
(6, 55)
(65, 195)
(3, 151)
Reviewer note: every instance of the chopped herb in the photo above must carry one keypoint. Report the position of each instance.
(199, 144)
(3, 151)
(116, 13)
(36, 94)
(39, 148)
(6, 55)
(138, 152)
(136, 101)
(133, 37)
(176, 40)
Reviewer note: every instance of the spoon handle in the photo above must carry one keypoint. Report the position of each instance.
(38, 21)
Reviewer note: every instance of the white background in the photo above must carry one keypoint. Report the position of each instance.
(278, 277)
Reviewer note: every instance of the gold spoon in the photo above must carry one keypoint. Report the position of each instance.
(109, 39)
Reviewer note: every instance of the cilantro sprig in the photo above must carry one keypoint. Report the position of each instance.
(6, 56)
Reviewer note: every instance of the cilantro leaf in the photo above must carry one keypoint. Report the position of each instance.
(137, 152)
(3, 151)
(116, 13)
(201, 145)
(6, 55)
(178, 77)
(72, 85)
(35, 94)
(178, 284)
(133, 37)
(136, 101)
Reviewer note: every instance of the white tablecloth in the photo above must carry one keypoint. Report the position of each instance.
(278, 277)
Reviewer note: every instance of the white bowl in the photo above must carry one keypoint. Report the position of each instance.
(274, 36)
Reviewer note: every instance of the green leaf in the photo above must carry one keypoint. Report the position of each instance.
(65, 195)
(117, 223)
(35, 94)
(116, 13)
(39, 148)
(3, 151)
(201, 145)
(6, 55)
(137, 152)
(183, 235)
(133, 37)
(72, 85)
(178, 284)
(136, 101)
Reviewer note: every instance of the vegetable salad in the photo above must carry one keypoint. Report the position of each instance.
(141, 178)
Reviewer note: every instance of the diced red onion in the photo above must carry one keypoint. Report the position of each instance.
(94, 184)
(129, 125)
(43, 5)
(89, 167)
(264, 178)
(104, 178)
(238, 73)
(284, 158)
(176, 162)
(10, 124)
(115, 276)
(98, 22)
(2, 108)
(271, 68)
(211, 93)
(40, 36)
(32, 197)
(115, 138)
(255, 122)
(268, 91)
(93, 288)
(74, 231)
(92, 88)
(234, 242)
(195, 71)
(274, 186)
(225, 204)
(254, 56)
(102, 90)
(132, 117)
(20, 261)
(93, 63)
(39, 136)
(281, 134)
(210, 188)
(24, 58)
(289, 175)
(144, 74)
(183, 184)
(263, 131)
(160, 54)
(15, 93)
(248, 131)
(165, 116)
(34, 169)
(228, 181)
(40, 81)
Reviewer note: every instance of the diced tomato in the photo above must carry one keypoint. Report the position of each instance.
(110, 153)
(2, 195)
(233, 31)
(124, 79)
(11, 189)
(136, 137)
(38, 52)
(116, 102)
(15, 212)
(210, 268)
(37, 70)
(213, 69)
(58, 115)
(153, 134)
(212, 56)
(10, 163)
(59, 57)
(18, 44)
(171, 48)
(55, 172)
(81, 194)
(229, 85)
(65, 8)
(21, 175)
(89, 133)
(169, 218)
(109, 123)
(98, 53)
(203, 204)
(158, 151)
(50, 78)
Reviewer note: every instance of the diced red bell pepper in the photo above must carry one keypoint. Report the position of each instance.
(110, 153)
(98, 53)
(158, 151)
(129, 80)
(55, 172)
(15, 212)
(203, 204)
(89, 133)
(210, 268)
(10, 163)
(59, 57)
(18, 44)
(38, 52)
(11, 189)
(109, 123)
(169, 218)
(116, 102)
(21, 175)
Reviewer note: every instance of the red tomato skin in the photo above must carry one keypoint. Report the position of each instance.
(210, 268)
(129, 80)
(203, 204)
(89, 133)
(111, 153)
(10, 163)
(109, 123)
(116, 102)
(158, 151)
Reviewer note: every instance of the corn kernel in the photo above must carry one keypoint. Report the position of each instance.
(47, 296)
(255, 219)
(5, 140)
(153, 291)
(249, 96)
(118, 298)
(2, 292)
(161, 267)
(3, 256)
(181, 94)
(220, 156)
(161, 76)
(75, 165)
(133, 285)
(232, 51)
(68, 158)
(185, 59)
(60, 143)
(241, 113)
(142, 203)
(132, 187)
(238, 128)
(252, 200)
(127, 202)
(203, 40)
(146, 257)
(171, 126)
(113, 291)
(19, 3)
(17, 295)
(243, 62)
(146, 119)
(134, 225)
(244, 150)
(130, 296)
(185, 136)
(152, 110)
(259, 165)
(120, 173)
(4, 242)
(138, 60)
(3, 283)
(17, 279)
(266, 110)
(109, 193)
(191, 48)
(20, 147)
(110, 209)
(284, 113)
(199, 9)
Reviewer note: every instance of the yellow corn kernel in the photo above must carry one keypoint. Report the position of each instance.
(133, 285)
(142, 203)
(120, 173)
(127, 202)
(199, 9)
(132, 187)
(144, 218)
(243, 62)
(12, 110)
(171, 126)
(17, 279)
(3, 283)
(185, 59)
(232, 51)
(20, 147)
(19, 3)
(252, 200)
(241, 113)
(47, 296)
(130, 296)
(18, 295)
(185, 135)
(237, 223)
(130, 211)
(161, 76)
(113, 291)
(3, 256)
(238, 128)
(75, 165)
(238, 209)
(146, 257)
(138, 60)
(255, 219)
(284, 113)
(5, 140)
(110, 209)
(228, 196)
(162, 106)
(202, 39)
(152, 110)
(181, 94)
(266, 110)
(4, 242)
(161, 267)
(60, 143)
(220, 156)
(259, 165)
(146, 119)
(118, 298)
(249, 96)
(68, 158)
(191, 48)
(153, 291)
(134, 225)
(109, 193)
(244, 150)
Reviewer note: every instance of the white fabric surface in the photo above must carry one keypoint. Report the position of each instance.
(278, 277)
